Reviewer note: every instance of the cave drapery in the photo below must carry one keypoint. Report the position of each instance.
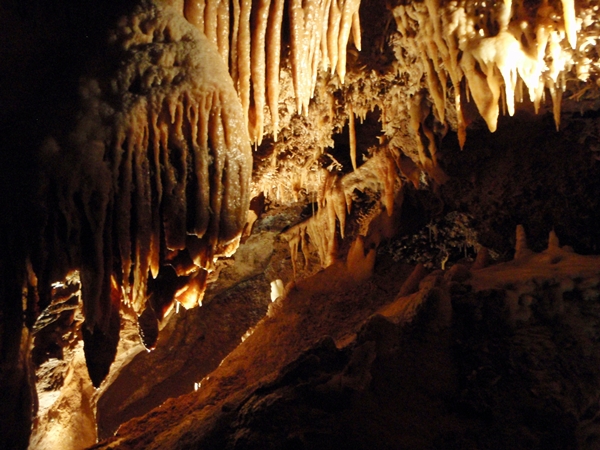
(141, 172)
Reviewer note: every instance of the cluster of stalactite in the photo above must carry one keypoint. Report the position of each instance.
(495, 53)
(381, 174)
(152, 185)
(249, 37)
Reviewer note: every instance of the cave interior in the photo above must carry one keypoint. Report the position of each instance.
(300, 224)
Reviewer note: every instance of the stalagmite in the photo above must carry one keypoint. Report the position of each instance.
(389, 177)
(553, 241)
(294, 243)
(411, 285)
(359, 263)
(191, 294)
(482, 260)
(277, 289)
(521, 248)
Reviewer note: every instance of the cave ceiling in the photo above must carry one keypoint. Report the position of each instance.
(144, 143)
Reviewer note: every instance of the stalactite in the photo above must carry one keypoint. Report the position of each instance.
(223, 23)
(164, 163)
(425, 138)
(273, 43)
(570, 20)
(326, 12)
(501, 46)
(389, 176)
(333, 31)
(142, 207)
(352, 132)
(259, 68)
(211, 19)
(235, 31)
(348, 10)
(318, 58)
(325, 230)
(319, 33)
(321, 230)
(123, 204)
(356, 33)
(194, 13)
(201, 167)
(174, 164)
(296, 17)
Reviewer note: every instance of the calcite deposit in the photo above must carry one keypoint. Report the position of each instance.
(341, 146)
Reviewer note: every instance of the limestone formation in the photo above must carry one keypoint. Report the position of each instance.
(342, 145)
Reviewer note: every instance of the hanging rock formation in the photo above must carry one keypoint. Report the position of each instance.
(151, 185)
(138, 176)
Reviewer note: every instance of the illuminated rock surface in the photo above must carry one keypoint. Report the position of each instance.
(386, 136)
(481, 358)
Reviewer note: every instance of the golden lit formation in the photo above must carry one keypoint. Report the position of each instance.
(316, 136)
(159, 172)
(319, 32)
(500, 50)
(164, 153)
(185, 155)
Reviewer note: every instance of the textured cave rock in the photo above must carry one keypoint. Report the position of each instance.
(191, 344)
(526, 173)
(389, 142)
(87, 192)
(194, 347)
(480, 358)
